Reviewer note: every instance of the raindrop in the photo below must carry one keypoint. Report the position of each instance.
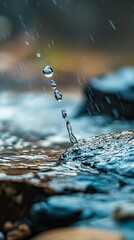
(58, 95)
(53, 84)
(38, 54)
(27, 43)
(48, 71)
(52, 41)
(91, 37)
(54, 2)
(112, 24)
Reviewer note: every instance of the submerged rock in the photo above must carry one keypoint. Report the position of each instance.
(111, 94)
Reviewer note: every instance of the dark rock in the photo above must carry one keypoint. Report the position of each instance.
(111, 94)
(43, 216)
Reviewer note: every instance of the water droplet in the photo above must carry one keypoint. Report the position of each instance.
(38, 54)
(72, 138)
(48, 71)
(64, 114)
(53, 84)
(58, 95)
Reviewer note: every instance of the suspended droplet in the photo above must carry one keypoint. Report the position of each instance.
(38, 54)
(72, 138)
(58, 95)
(64, 114)
(53, 84)
(48, 71)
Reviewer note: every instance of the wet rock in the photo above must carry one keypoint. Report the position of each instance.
(79, 234)
(44, 215)
(111, 94)
(107, 153)
(124, 212)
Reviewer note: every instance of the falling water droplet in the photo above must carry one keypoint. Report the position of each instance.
(38, 54)
(64, 114)
(58, 95)
(48, 71)
(72, 138)
(53, 84)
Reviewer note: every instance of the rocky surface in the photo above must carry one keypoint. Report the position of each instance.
(111, 94)
(90, 185)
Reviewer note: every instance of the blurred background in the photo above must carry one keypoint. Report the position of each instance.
(77, 38)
